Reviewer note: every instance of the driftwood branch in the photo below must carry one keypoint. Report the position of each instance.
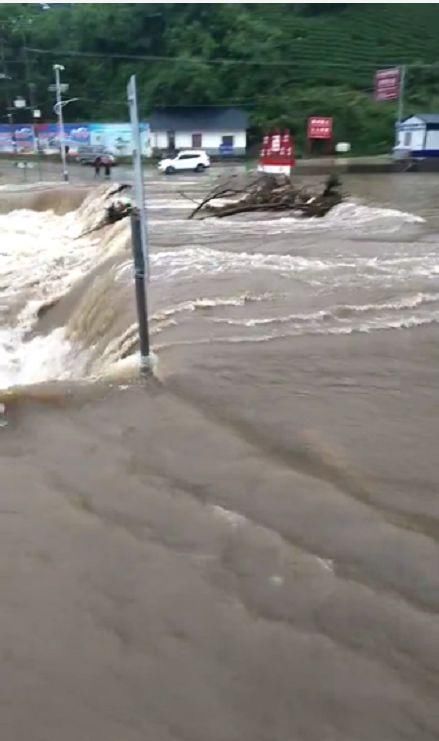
(270, 193)
(188, 198)
(116, 211)
(221, 191)
(226, 189)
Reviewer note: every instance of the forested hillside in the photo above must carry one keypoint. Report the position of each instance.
(282, 62)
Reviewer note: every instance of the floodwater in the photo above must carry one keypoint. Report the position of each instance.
(245, 546)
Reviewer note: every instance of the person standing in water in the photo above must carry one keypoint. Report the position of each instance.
(106, 161)
(97, 165)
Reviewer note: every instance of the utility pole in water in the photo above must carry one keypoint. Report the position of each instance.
(57, 69)
(139, 237)
(402, 75)
(4, 76)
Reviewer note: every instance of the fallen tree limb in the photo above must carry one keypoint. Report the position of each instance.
(270, 193)
(116, 211)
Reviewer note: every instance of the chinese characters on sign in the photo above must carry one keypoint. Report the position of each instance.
(387, 84)
(277, 153)
(320, 127)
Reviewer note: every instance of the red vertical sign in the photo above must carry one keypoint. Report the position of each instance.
(387, 84)
(277, 153)
(320, 127)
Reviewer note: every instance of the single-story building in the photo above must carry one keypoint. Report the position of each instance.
(418, 135)
(216, 129)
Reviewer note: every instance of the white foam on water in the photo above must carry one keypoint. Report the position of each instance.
(359, 214)
(346, 215)
(187, 262)
(211, 303)
(326, 563)
(37, 360)
(377, 324)
(41, 258)
(169, 264)
(352, 216)
(38, 263)
(235, 519)
(342, 312)
(381, 324)
(272, 320)
(158, 204)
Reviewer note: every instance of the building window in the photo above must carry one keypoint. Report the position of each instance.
(228, 140)
(197, 141)
(407, 138)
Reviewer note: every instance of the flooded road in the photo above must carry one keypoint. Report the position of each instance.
(245, 547)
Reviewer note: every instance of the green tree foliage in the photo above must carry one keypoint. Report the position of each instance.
(295, 60)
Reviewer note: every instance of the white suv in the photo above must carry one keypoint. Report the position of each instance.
(189, 159)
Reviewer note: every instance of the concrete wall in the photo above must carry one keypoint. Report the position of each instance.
(210, 141)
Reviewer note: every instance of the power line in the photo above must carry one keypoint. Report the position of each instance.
(349, 64)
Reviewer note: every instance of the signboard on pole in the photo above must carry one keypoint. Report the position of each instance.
(387, 84)
(277, 154)
(320, 127)
(139, 192)
(63, 86)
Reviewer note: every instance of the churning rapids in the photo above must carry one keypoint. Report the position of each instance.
(254, 288)
(245, 547)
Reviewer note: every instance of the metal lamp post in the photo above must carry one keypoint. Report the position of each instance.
(4, 76)
(139, 233)
(57, 69)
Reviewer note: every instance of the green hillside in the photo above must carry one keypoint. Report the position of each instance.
(282, 61)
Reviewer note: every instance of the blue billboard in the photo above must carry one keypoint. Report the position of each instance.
(115, 137)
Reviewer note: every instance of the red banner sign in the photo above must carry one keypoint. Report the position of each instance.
(387, 84)
(277, 153)
(320, 127)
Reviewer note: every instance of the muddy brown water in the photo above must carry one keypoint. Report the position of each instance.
(245, 547)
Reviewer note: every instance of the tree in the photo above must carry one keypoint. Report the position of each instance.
(283, 62)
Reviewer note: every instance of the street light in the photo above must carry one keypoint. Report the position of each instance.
(57, 69)
(62, 103)
(20, 102)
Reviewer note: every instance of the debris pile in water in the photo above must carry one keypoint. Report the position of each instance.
(116, 211)
(270, 193)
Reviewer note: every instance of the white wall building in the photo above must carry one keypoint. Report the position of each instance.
(418, 135)
(217, 130)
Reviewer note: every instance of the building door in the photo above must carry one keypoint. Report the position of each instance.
(171, 141)
(197, 141)
(227, 144)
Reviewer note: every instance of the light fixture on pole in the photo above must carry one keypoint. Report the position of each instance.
(20, 102)
(63, 103)
(57, 69)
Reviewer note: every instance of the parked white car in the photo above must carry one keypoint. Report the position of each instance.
(189, 159)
